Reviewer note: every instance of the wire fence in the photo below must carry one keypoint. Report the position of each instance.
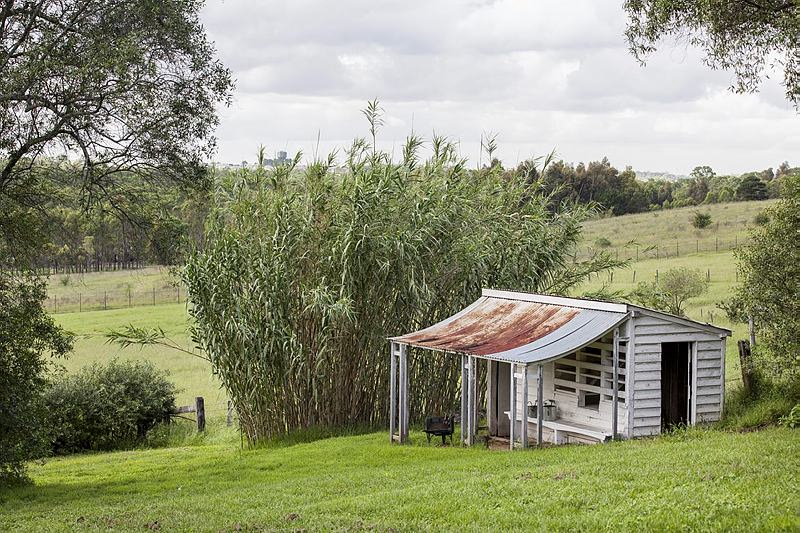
(102, 300)
(119, 299)
(663, 249)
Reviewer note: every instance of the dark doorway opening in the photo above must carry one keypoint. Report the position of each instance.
(676, 376)
(502, 399)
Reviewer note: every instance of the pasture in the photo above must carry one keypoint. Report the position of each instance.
(696, 480)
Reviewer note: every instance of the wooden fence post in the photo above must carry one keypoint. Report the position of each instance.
(80, 302)
(229, 418)
(746, 364)
(105, 300)
(154, 295)
(199, 405)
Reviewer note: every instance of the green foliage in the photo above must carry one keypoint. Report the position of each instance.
(701, 220)
(768, 405)
(305, 274)
(602, 242)
(107, 407)
(744, 37)
(792, 420)
(28, 341)
(751, 188)
(93, 93)
(769, 288)
(761, 218)
(671, 290)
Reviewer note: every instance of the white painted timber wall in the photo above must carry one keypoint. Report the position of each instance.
(567, 406)
(707, 371)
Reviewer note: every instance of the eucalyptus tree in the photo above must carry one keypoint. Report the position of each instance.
(112, 87)
(746, 37)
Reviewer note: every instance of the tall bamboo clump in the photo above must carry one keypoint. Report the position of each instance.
(305, 274)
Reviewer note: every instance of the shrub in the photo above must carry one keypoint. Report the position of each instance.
(761, 218)
(769, 285)
(671, 291)
(602, 242)
(792, 420)
(701, 220)
(106, 407)
(771, 403)
(29, 339)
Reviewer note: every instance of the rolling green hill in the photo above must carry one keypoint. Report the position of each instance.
(691, 480)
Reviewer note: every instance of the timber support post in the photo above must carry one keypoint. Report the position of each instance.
(200, 408)
(615, 388)
(539, 406)
(524, 429)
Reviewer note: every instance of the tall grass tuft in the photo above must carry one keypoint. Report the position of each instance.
(307, 271)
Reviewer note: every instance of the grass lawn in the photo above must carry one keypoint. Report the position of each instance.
(700, 480)
(191, 374)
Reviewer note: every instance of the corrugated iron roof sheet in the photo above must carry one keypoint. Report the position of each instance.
(516, 327)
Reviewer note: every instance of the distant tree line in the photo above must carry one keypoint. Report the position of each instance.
(140, 222)
(621, 193)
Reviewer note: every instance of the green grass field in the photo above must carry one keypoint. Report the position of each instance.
(698, 481)
(707, 480)
(666, 229)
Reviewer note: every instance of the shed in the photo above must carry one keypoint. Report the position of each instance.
(571, 370)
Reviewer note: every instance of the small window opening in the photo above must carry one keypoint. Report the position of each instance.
(589, 400)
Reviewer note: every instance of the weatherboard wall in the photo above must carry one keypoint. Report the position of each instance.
(650, 331)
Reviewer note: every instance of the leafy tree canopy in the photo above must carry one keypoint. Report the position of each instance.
(110, 86)
(747, 37)
(769, 291)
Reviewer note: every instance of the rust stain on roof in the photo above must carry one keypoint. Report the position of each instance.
(493, 326)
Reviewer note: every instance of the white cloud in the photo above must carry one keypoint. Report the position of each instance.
(542, 74)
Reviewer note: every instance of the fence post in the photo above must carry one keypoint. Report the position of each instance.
(179, 294)
(716, 244)
(698, 246)
(676, 249)
(200, 408)
(708, 275)
(656, 275)
(229, 418)
(105, 300)
(55, 303)
(612, 276)
(657, 252)
(637, 252)
(80, 302)
(154, 295)
(129, 296)
(634, 277)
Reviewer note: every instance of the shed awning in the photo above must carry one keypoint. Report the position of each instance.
(520, 327)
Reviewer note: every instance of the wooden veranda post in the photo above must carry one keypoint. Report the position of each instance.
(470, 401)
(539, 408)
(403, 394)
(512, 428)
(392, 391)
(464, 387)
(615, 387)
(524, 428)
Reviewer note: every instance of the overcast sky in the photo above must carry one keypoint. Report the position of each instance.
(540, 74)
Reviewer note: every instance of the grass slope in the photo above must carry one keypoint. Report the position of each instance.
(191, 374)
(700, 480)
(730, 224)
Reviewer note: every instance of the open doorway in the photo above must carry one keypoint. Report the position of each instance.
(502, 400)
(676, 379)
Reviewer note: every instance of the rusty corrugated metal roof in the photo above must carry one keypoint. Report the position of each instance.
(520, 327)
